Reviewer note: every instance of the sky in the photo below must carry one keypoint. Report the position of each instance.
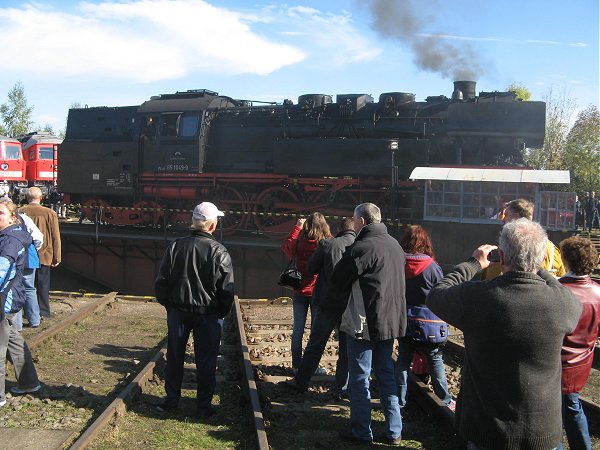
(120, 53)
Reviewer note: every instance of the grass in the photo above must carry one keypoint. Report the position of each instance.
(142, 425)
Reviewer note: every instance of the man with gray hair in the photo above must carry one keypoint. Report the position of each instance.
(371, 275)
(513, 329)
(50, 251)
(195, 285)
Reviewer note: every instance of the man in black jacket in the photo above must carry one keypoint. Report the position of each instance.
(195, 285)
(327, 311)
(371, 272)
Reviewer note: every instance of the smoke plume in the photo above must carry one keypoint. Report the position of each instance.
(399, 19)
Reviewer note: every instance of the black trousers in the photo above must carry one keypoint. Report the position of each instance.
(42, 284)
(207, 337)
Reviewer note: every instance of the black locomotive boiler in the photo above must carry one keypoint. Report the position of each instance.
(150, 164)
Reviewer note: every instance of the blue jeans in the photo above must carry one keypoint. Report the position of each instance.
(14, 347)
(433, 354)
(300, 306)
(575, 423)
(31, 306)
(324, 321)
(362, 356)
(207, 337)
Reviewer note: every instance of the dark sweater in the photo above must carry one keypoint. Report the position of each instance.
(513, 325)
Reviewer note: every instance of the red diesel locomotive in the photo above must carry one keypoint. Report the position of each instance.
(12, 167)
(39, 151)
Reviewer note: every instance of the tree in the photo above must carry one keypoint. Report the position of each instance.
(16, 115)
(62, 133)
(582, 151)
(522, 92)
(559, 109)
(46, 128)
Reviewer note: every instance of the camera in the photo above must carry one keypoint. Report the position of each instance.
(493, 256)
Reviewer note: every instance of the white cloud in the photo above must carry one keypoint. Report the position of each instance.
(500, 39)
(144, 41)
(154, 40)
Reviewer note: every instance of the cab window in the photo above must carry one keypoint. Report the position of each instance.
(188, 125)
(168, 125)
(46, 153)
(13, 152)
(179, 125)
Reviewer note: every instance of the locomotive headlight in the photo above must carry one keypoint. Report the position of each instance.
(4, 166)
(393, 145)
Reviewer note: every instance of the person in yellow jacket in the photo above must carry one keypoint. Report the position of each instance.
(516, 209)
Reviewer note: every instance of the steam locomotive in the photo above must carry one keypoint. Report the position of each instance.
(150, 164)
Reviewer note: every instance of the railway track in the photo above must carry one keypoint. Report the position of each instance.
(89, 366)
(114, 407)
(284, 418)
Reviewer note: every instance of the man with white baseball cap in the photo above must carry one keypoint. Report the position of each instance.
(207, 211)
(195, 285)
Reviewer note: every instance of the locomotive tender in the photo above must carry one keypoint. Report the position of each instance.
(253, 159)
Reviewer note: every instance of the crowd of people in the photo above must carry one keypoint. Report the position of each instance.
(29, 246)
(587, 212)
(525, 316)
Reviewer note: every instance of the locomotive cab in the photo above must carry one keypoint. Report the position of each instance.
(12, 167)
(41, 161)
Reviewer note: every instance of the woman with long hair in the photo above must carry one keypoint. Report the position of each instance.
(14, 242)
(299, 245)
(426, 333)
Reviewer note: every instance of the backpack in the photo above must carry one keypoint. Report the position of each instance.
(424, 327)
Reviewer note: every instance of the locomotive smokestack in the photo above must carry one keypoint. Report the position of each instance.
(464, 90)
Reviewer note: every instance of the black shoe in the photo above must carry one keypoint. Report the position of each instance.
(387, 440)
(166, 407)
(346, 435)
(204, 413)
(291, 384)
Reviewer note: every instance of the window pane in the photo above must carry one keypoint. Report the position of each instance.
(13, 152)
(168, 126)
(188, 125)
(46, 153)
(452, 199)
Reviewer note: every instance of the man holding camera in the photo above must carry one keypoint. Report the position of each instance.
(513, 328)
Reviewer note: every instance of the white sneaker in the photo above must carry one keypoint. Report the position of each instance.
(17, 390)
(2, 403)
(321, 371)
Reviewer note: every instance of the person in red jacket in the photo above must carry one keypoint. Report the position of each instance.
(299, 245)
(580, 258)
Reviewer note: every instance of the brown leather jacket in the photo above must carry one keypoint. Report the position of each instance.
(577, 352)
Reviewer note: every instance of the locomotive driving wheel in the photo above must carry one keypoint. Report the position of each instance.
(276, 209)
(232, 203)
(338, 203)
(144, 213)
(94, 211)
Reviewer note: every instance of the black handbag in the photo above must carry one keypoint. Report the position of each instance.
(291, 277)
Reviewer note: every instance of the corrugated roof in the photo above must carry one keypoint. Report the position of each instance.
(498, 175)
